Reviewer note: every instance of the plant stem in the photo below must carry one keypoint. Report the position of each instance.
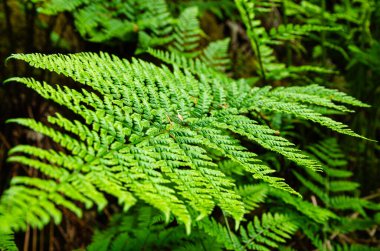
(288, 49)
(9, 28)
(323, 33)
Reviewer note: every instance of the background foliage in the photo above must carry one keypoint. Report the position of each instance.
(297, 47)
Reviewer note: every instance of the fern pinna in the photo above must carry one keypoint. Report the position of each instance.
(101, 21)
(144, 228)
(333, 191)
(146, 132)
(149, 22)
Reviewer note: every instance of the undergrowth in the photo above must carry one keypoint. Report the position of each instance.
(189, 156)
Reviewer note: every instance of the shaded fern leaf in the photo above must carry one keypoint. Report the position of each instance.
(333, 188)
(7, 242)
(187, 32)
(262, 41)
(267, 234)
(215, 55)
(101, 21)
(252, 195)
(260, 234)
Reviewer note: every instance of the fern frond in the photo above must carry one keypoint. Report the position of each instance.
(221, 234)
(332, 188)
(53, 7)
(315, 213)
(263, 100)
(269, 232)
(354, 247)
(215, 55)
(150, 133)
(331, 94)
(32, 207)
(343, 186)
(262, 41)
(344, 202)
(187, 33)
(267, 138)
(289, 31)
(252, 195)
(7, 242)
(313, 188)
(260, 234)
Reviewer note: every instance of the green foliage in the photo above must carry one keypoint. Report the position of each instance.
(262, 41)
(145, 133)
(7, 242)
(335, 192)
(332, 189)
(289, 213)
(180, 144)
(146, 229)
(101, 21)
(264, 234)
(150, 22)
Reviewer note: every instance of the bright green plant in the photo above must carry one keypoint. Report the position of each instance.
(7, 242)
(176, 120)
(149, 231)
(323, 222)
(181, 144)
(148, 133)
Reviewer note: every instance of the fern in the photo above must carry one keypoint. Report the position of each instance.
(181, 144)
(151, 132)
(349, 19)
(253, 195)
(187, 32)
(101, 21)
(329, 153)
(262, 41)
(215, 55)
(334, 192)
(146, 229)
(7, 242)
(259, 234)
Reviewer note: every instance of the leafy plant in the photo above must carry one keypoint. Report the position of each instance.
(149, 134)
(321, 223)
(181, 145)
(335, 192)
